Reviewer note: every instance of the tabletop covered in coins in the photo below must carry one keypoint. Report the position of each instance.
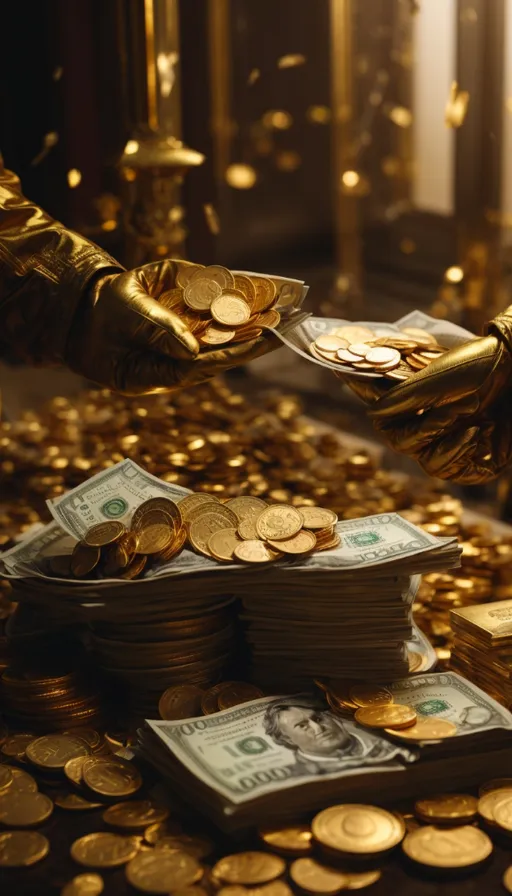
(146, 745)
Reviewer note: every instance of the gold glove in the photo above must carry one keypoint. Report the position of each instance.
(453, 417)
(123, 338)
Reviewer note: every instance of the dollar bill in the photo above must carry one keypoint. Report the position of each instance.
(112, 494)
(273, 744)
(28, 556)
(305, 332)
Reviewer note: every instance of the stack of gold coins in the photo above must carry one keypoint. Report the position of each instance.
(220, 307)
(49, 700)
(187, 701)
(482, 647)
(396, 355)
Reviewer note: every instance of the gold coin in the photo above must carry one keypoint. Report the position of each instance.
(186, 271)
(425, 729)
(19, 849)
(220, 275)
(495, 784)
(354, 333)
(210, 700)
(201, 529)
(134, 568)
(381, 356)
(279, 521)
(313, 877)
(103, 850)
(222, 544)
(247, 529)
(165, 505)
(329, 545)
(488, 802)
(156, 832)
(458, 847)
(20, 809)
(246, 507)
(245, 285)
(361, 879)
(154, 532)
(358, 829)
(104, 533)
(301, 543)
(6, 777)
(394, 716)
(195, 845)
(318, 517)
(84, 885)
(174, 547)
(161, 871)
(74, 802)
(359, 348)
(183, 701)
(266, 292)
(135, 815)
(502, 812)
(15, 745)
(22, 780)
(368, 695)
(217, 335)
(293, 840)
(415, 660)
(452, 808)
(91, 737)
(111, 776)
(84, 559)
(420, 335)
(330, 344)
(236, 692)
(193, 890)
(52, 751)
(201, 291)
(255, 551)
(119, 555)
(507, 879)
(230, 310)
(274, 888)
(190, 502)
(249, 868)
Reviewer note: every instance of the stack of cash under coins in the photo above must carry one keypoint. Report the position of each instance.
(396, 356)
(293, 753)
(50, 700)
(220, 307)
(482, 647)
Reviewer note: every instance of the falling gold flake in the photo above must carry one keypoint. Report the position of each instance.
(354, 184)
(400, 116)
(131, 147)
(74, 177)
(288, 160)
(455, 274)
(291, 60)
(318, 114)
(109, 224)
(253, 77)
(176, 214)
(211, 218)
(407, 245)
(241, 176)
(57, 73)
(277, 119)
(456, 107)
(49, 141)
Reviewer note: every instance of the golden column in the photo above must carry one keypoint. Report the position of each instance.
(155, 160)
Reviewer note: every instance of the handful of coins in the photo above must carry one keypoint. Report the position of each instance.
(221, 307)
(243, 529)
(394, 355)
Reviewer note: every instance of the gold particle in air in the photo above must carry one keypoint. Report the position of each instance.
(254, 76)
(211, 218)
(318, 114)
(131, 147)
(400, 116)
(277, 119)
(74, 177)
(291, 60)
(288, 160)
(454, 274)
(241, 176)
(456, 106)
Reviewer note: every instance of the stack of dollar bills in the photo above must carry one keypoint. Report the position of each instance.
(333, 614)
(277, 757)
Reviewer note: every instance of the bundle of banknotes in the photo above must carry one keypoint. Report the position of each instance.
(305, 614)
(482, 647)
(281, 756)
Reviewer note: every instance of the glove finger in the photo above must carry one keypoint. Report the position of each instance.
(460, 372)
(150, 325)
(143, 372)
(233, 356)
(408, 435)
(158, 276)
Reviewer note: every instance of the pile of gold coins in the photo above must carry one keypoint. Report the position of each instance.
(187, 701)
(343, 847)
(49, 700)
(220, 307)
(396, 356)
(374, 707)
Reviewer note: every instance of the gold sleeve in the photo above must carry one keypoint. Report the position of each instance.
(45, 269)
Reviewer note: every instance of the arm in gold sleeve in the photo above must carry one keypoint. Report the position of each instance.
(45, 270)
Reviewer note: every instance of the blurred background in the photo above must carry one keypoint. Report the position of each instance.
(361, 145)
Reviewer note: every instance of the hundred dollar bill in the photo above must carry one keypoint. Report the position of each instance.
(273, 744)
(28, 556)
(112, 494)
(300, 338)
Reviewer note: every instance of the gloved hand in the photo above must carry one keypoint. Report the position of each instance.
(454, 417)
(123, 338)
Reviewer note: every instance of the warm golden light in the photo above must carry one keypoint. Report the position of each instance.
(350, 178)
(131, 147)
(278, 119)
(400, 116)
(240, 176)
(318, 114)
(288, 160)
(291, 60)
(454, 274)
(74, 177)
